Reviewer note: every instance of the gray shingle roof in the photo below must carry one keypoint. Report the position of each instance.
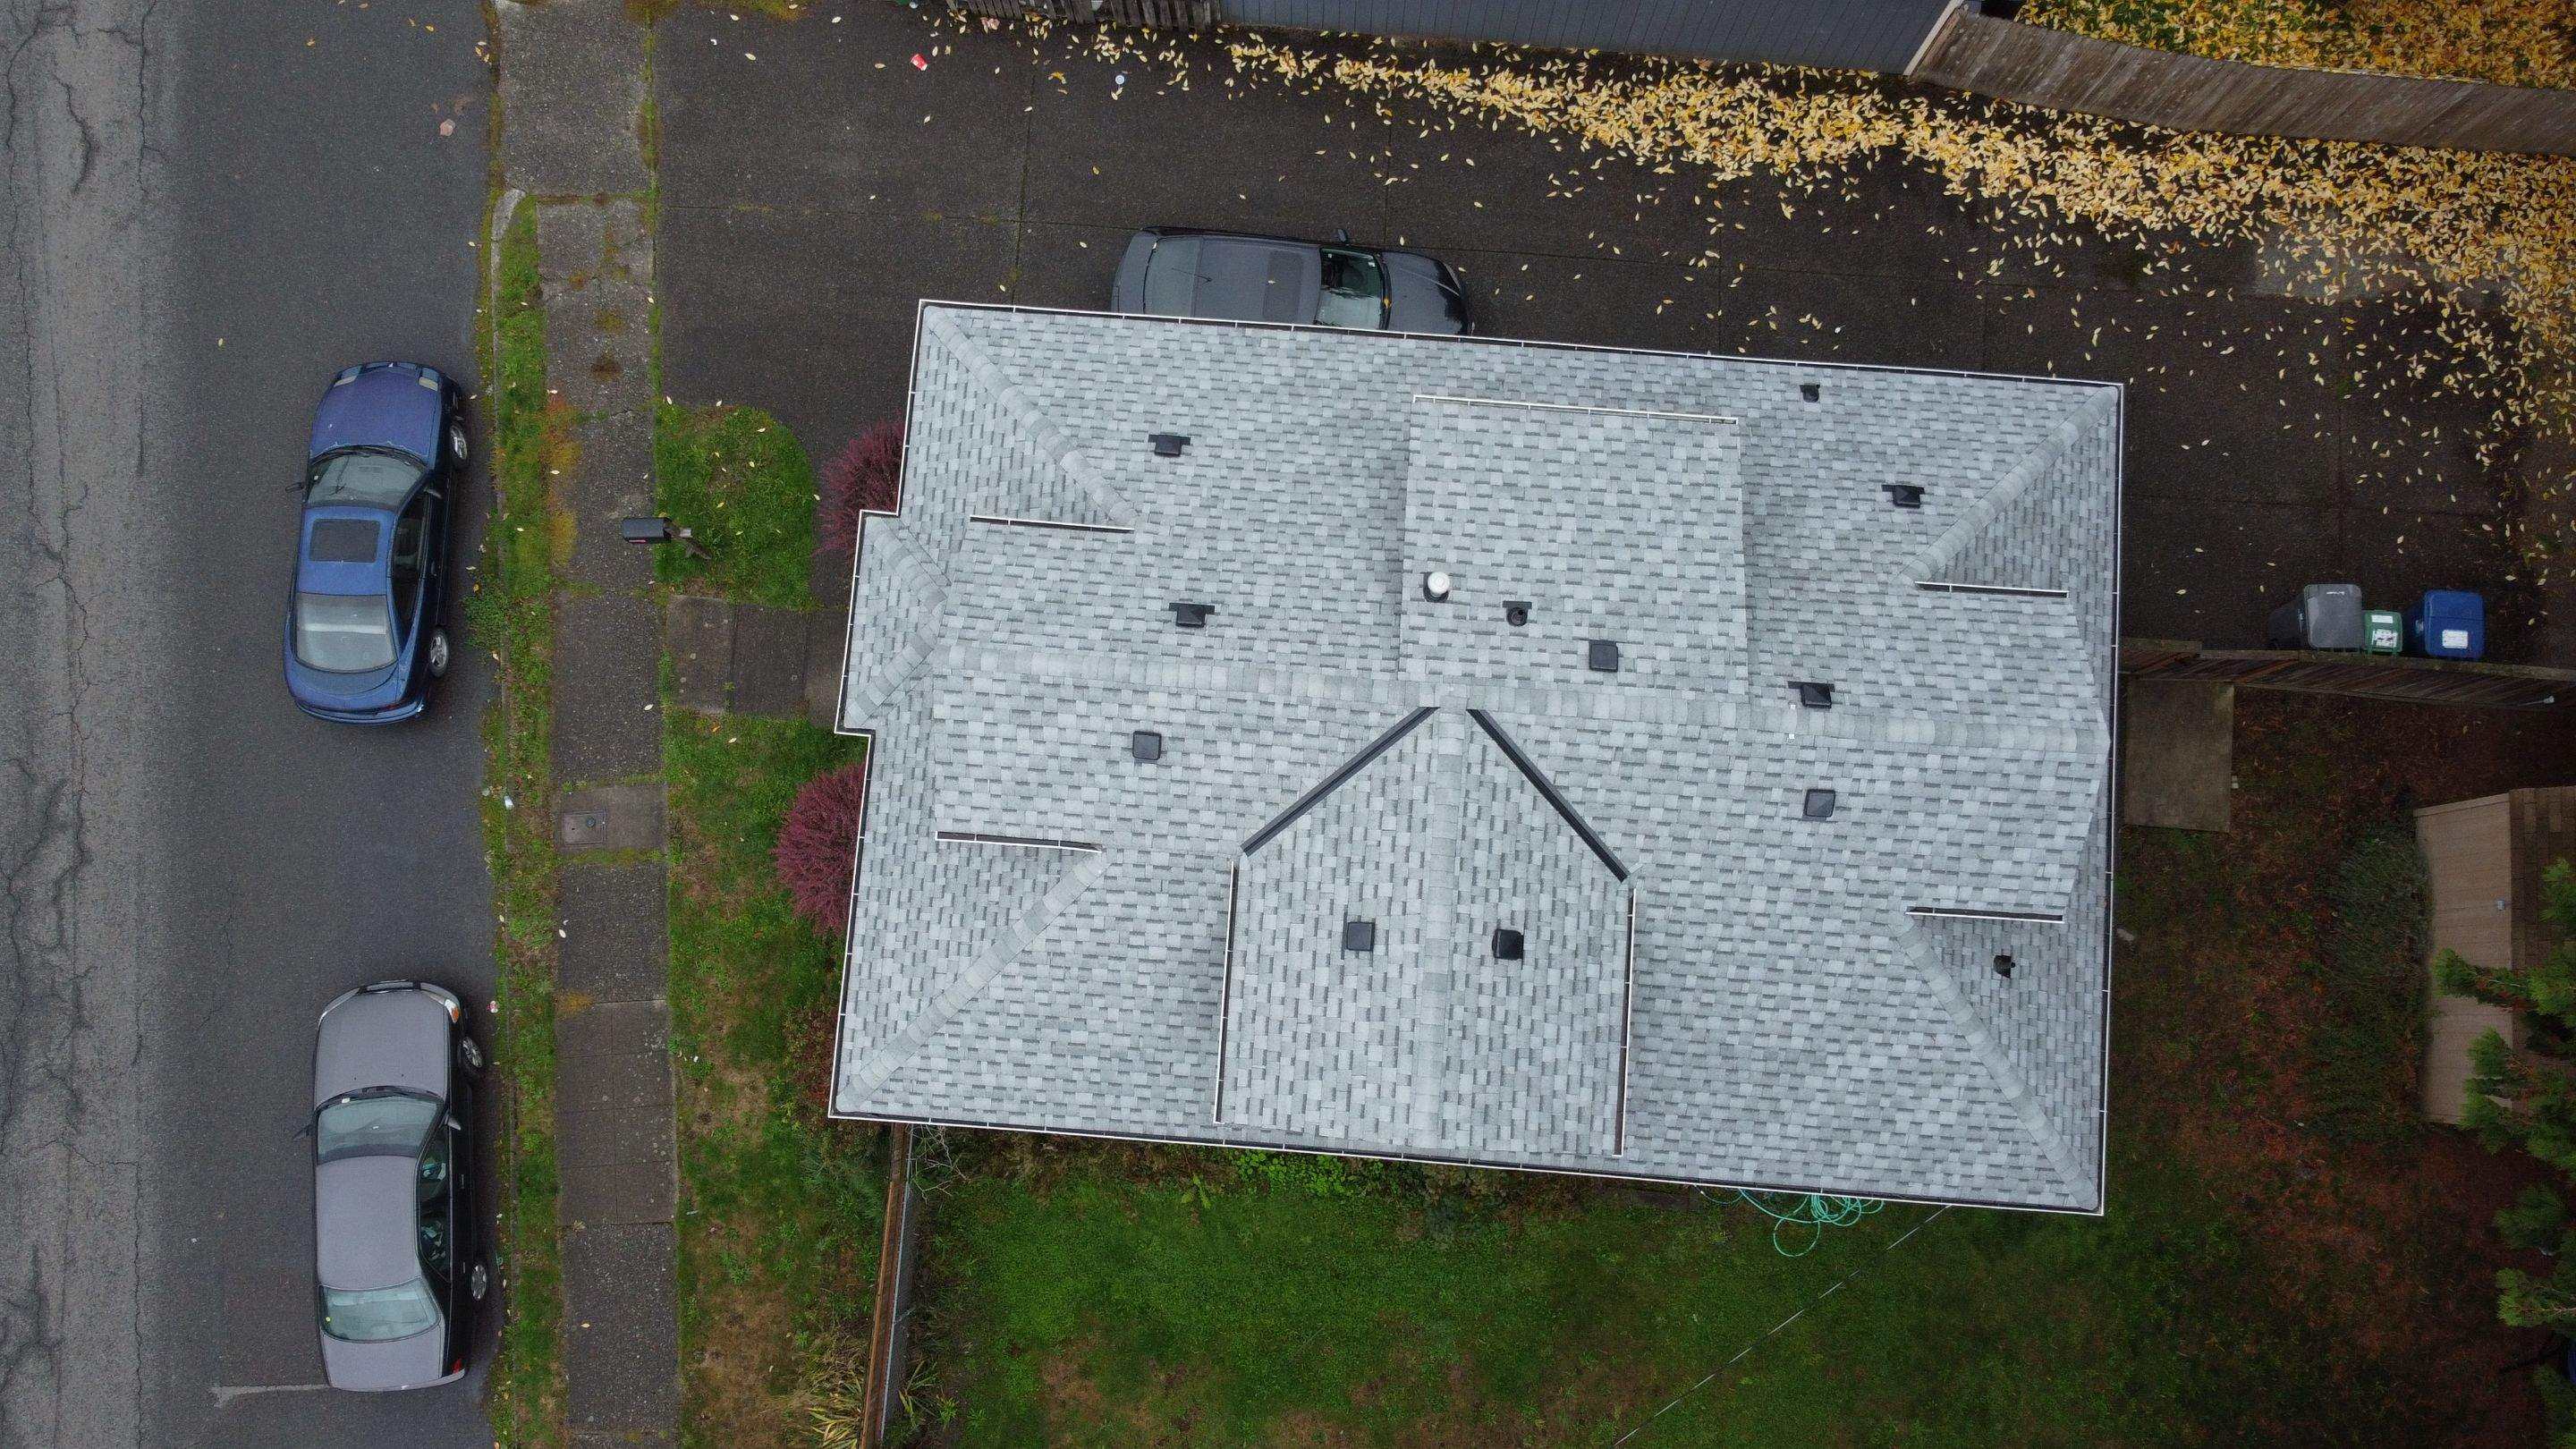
(1713, 988)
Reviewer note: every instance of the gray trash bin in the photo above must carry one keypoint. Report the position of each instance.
(2326, 616)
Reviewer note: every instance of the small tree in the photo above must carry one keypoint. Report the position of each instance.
(818, 846)
(2527, 1095)
(861, 480)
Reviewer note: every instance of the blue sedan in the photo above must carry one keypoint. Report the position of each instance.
(363, 632)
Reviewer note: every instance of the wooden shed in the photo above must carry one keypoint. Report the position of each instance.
(2485, 857)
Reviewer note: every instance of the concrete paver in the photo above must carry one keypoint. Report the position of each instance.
(700, 631)
(572, 82)
(769, 660)
(621, 954)
(607, 679)
(619, 1382)
(610, 817)
(599, 307)
(613, 482)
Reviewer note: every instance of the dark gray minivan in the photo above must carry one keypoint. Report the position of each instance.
(399, 1256)
(1174, 272)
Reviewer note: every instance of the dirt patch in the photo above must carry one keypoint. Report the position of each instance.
(2388, 1251)
(743, 1360)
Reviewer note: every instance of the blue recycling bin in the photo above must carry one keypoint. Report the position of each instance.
(2448, 624)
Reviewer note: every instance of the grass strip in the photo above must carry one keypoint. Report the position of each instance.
(779, 1207)
(511, 614)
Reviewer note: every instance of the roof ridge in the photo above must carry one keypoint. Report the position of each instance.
(1914, 943)
(1681, 709)
(1435, 1042)
(1043, 434)
(921, 594)
(968, 984)
(2038, 463)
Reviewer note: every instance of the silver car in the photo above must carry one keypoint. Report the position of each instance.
(398, 1252)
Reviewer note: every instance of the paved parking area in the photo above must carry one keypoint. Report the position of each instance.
(815, 185)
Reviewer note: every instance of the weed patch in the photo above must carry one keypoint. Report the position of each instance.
(739, 481)
(780, 1208)
(510, 613)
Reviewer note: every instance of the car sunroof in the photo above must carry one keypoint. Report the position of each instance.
(344, 540)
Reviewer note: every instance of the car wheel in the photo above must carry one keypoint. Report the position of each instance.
(456, 440)
(437, 653)
(473, 1054)
(478, 1281)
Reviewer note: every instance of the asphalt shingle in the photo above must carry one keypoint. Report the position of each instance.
(1713, 987)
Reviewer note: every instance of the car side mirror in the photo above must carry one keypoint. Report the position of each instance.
(1342, 234)
(302, 1132)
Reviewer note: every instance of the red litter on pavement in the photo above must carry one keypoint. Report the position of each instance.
(918, 63)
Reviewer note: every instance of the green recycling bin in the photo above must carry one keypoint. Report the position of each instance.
(2383, 631)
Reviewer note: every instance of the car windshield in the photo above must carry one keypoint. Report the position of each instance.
(375, 1315)
(344, 633)
(368, 1124)
(366, 477)
(1354, 290)
(1172, 277)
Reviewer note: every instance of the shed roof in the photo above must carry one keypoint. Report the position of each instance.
(1049, 933)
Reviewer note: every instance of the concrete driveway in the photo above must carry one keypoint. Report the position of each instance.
(812, 194)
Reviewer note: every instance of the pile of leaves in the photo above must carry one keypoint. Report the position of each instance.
(2507, 42)
(2481, 246)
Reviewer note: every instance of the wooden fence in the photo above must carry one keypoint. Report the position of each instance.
(2355, 676)
(890, 1323)
(1171, 14)
(2041, 67)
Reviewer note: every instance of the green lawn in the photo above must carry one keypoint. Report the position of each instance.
(1086, 1312)
(2240, 1288)
(780, 1209)
(737, 478)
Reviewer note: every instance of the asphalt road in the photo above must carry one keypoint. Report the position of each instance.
(210, 208)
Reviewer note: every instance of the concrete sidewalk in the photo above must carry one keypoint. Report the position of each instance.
(572, 91)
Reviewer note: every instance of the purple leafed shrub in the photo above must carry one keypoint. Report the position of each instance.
(862, 479)
(819, 842)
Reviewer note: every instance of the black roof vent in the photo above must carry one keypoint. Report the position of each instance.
(1812, 695)
(1507, 944)
(1192, 616)
(1812, 392)
(1604, 656)
(1904, 495)
(2004, 967)
(1168, 445)
(1820, 805)
(1146, 746)
(1359, 935)
(1516, 612)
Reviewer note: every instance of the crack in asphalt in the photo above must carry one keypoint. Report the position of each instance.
(71, 101)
